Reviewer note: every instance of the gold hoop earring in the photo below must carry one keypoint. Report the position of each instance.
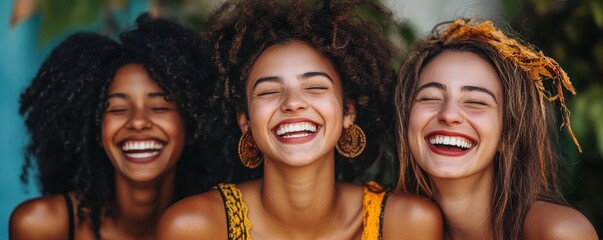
(249, 153)
(351, 142)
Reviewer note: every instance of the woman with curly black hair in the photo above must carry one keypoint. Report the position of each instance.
(301, 80)
(117, 132)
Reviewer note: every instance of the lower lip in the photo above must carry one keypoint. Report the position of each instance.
(297, 140)
(152, 157)
(447, 152)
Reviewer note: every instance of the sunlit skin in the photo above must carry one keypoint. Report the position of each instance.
(296, 112)
(459, 98)
(142, 133)
(150, 129)
(299, 87)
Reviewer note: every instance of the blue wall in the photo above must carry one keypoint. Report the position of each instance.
(21, 54)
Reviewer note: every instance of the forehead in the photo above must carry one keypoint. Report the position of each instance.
(291, 57)
(460, 68)
(133, 77)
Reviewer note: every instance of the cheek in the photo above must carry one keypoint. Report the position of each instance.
(173, 125)
(331, 104)
(418, 120)
(259, 113)
(489, 123)
(109, 128)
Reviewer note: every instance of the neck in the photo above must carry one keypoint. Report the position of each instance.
(466, 205)
(301, 199)
(138, 206)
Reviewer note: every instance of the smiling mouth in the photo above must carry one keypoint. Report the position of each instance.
(141, 149)
(295, 130)
(450, 143)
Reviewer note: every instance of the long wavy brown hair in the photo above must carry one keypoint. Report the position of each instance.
(526, 167)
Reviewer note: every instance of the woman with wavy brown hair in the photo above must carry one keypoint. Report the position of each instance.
(475, 126)
(307, 85)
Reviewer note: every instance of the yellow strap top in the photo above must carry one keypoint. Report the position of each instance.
(373, 203)
(239, 226)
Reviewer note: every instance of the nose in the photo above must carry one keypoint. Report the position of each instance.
(450, 113)
(139, 120)
(293, 101)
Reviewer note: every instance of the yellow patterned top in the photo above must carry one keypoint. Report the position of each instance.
(373, 203)
(239, 226)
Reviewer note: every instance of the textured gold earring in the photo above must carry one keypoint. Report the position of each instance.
(351, 142)
(249, 153)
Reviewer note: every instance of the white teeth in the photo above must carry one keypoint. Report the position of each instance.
(451, 141)
(303, 127)
(142, 154)
(302, 134)
(141, 145)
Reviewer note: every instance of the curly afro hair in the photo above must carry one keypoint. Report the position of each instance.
(238, 32)
(64, 105)
(59, 113)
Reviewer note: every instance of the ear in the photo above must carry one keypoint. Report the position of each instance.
(243, 121)
(349, 114)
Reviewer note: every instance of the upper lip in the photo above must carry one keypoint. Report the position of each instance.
(312, 125)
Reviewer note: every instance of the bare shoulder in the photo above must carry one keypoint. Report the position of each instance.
(547, 220)
(197, 217)
(412, 217)
(40, 218)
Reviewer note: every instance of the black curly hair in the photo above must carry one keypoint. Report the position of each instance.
(65, 102)
(238, 31)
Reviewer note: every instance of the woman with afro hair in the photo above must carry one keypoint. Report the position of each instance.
(117, 134)
(300, 80)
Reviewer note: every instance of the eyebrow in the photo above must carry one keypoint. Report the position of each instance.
(432, 84)
(303, 77)
(479, 89)
(314, 74)
(266, 79)
(464, 89)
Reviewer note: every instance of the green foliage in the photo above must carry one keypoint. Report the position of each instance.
(572, 33)
(588, 112)
(60, 15)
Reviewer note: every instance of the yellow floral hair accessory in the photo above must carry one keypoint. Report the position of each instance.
(538, 66)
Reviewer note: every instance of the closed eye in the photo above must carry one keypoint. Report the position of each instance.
(477, 103)
(267, 93)
(428, 99)
(316, 89)
(116, 110)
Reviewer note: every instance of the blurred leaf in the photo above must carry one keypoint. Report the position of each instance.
(22, 10)
(572, 32)
(597, 11)
(511, 7)
(61, 15)
(587, 116)
(542, 7)
(369, 13)
(598, 54)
